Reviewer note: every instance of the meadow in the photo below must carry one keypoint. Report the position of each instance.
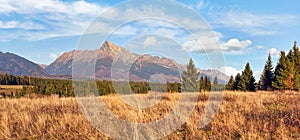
(242, 115)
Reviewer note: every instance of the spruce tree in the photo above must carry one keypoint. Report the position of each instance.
(201, 83)
(216, 82)
(290, 70)
(168, 89)
(296, 59)
(230, 83)
(189, 78)
(207, 83)
(237, 82)
(175, 87)
(248, 79)
(216, 86)
(281, 73)
(268, 75)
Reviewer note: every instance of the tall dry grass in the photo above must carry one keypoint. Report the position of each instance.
(241, 116)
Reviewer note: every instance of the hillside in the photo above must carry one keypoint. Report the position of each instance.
(16, 65)
(123, 62)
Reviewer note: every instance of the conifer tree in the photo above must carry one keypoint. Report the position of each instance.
(290, 71)
(239, 84)
(230, 83)
(247, 79)
(175, 87)
(201, 83)
(189, 78)
(216, 82)
(296, 59)
(168, 87)
(281, 73)
(207, 84)
(268, 75)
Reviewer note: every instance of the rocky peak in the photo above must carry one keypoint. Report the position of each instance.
(110, 48)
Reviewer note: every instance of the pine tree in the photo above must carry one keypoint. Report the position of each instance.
(247, 79)
(230, 83)
(189, 78)
(296, 59)
(268, 75)
(238, 83)
(215, 85)
(175, 87)
(281, 73)
(207, 84)
(201, 83)
(216, 82)
(168, 87)
(290, 70)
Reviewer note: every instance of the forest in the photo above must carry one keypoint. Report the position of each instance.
(285, 76)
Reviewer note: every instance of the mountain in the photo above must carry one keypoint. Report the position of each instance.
(16, 65)
(123, 64)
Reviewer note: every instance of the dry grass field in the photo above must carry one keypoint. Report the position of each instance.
(241, 115)
(11, 86)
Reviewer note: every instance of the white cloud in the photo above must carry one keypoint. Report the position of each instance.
(273, 51)
(210, 44)
(49, 18)
(236, 44)
(48, 6)
(16, 24)
(260, 47)
(150, 41)
(53, 56)
(252, 23)
(228, 70)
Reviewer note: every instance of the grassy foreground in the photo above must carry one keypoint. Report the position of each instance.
(240, 116)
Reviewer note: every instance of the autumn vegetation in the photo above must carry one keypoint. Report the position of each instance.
(38, 108)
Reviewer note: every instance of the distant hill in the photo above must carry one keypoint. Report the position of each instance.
(16, 65)
(142, 69)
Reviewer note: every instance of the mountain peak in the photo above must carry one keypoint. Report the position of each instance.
(111, 47)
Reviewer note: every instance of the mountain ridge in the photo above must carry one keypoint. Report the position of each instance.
(111, 57)
(13, 64)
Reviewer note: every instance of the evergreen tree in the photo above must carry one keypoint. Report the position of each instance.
(207, 84)
(216, 82)
(296, 61)
(290, 71)
(175, 87)
(238, 83)
(268, 75)
(168, 87)
(230, 83)
(248, 81)
(189, 78)
(201, 83)
(281, 73)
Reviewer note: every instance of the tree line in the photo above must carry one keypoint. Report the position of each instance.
(285, 76)
(64, 88)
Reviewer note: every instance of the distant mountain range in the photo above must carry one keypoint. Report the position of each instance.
(109, 57)
(16, 65)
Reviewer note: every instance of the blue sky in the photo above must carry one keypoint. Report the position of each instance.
(245, 31)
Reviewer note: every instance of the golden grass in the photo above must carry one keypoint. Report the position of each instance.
(11, 86)
(241, 116)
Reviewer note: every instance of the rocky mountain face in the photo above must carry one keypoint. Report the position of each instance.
(16, 65)
(117, 63)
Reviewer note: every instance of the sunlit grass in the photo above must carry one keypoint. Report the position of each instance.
(241, 115)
